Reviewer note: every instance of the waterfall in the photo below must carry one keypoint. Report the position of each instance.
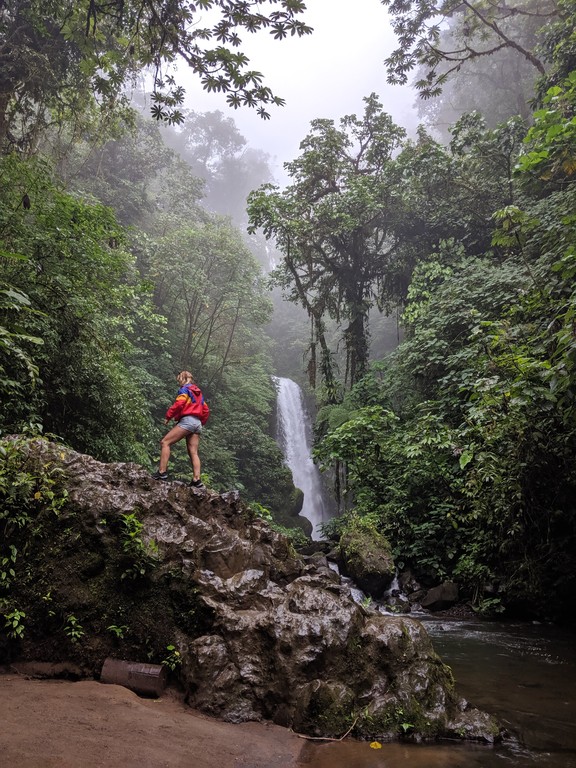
(294, 437)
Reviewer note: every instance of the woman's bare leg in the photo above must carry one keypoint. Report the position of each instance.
(175, 434)
(192, 442)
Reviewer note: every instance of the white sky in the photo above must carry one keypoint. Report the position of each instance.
(323, 75)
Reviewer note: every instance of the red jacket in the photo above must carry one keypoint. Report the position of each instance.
(189, 402)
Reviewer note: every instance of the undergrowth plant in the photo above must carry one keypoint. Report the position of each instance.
(117, 631)
(14, 623)
(173, 658)
(296, 535)
(143, 555)
(73, 629)
(29, 487)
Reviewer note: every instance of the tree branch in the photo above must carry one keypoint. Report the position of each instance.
(508, 41)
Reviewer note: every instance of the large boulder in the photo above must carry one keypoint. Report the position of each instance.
(440, 597)
(366, 558)
(134, 568)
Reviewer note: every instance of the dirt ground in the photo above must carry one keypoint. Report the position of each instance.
(86, 724)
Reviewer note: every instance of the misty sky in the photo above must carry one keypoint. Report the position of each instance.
(325, 75)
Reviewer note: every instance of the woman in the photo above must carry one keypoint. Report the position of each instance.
(190, 412)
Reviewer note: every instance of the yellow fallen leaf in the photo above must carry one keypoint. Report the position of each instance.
(375, 745)
(37, 495)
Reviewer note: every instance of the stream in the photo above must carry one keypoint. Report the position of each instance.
(525, 674)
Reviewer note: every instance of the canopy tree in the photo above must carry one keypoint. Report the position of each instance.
(136, 174)
(62, 58)
(451, 192)
(205, 139)
(460, 446)
(333, 227)
(209, 288)
(498, 86)
(217, 153)
(478, 28)
(87, 305)
(366, 205)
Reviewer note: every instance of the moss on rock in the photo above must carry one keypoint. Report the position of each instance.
(367, 558)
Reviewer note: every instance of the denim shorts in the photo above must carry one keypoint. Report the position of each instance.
(190, 424)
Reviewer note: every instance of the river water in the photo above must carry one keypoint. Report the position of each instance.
(525, 674)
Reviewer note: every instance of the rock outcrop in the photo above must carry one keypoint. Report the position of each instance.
(367, 558)
(139, 569)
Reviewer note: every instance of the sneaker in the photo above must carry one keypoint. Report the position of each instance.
(160, 475)
(197, 484)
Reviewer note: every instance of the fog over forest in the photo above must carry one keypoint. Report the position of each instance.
(323, 75)
(398, 240)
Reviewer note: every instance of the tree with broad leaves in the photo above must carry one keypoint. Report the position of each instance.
(209, 288)
(479, 28)
(498, 86)
(333, 225)
(60, 56)
(217, 153)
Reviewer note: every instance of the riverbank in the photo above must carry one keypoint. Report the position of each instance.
(86, 724)
(525, 674)
(63, 724)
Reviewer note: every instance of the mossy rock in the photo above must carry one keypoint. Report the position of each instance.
(326, 708)
(367, 559)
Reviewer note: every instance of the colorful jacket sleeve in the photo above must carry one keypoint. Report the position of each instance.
(175, 410)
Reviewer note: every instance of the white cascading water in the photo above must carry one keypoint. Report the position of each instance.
(294, 436)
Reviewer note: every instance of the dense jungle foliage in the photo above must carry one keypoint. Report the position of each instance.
(459, 446)
(122, 262)
(115, 273)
